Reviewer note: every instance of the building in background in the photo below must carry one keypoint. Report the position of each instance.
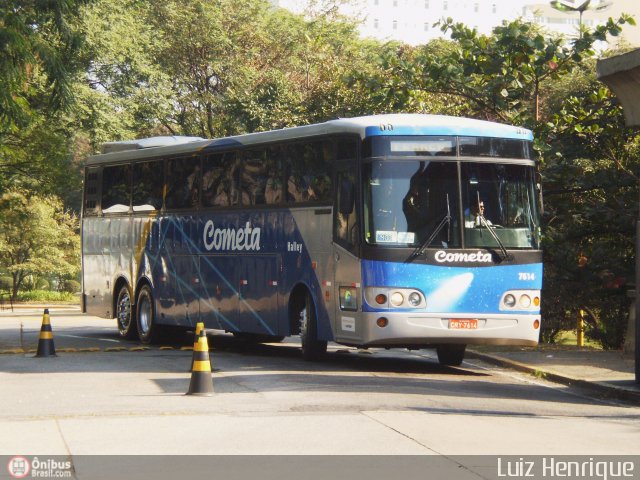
(566, 23)
(412, 21)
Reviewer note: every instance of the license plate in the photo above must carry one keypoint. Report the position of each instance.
(463, 324)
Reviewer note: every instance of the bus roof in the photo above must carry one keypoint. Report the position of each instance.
(373, 125)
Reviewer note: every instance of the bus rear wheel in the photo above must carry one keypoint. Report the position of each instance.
(148, 331)
(124, 314)
(312, 347)
(451, 355)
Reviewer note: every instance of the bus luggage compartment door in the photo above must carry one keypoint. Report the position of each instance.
(219, 301)
(258, 288)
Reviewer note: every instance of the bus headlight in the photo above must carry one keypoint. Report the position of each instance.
(397, 299)
(520, 300)
(386, 298)
(525, 301)
(509, 301)
(415, 299)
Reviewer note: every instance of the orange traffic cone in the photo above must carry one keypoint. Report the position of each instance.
(201, 381)
(45, 341)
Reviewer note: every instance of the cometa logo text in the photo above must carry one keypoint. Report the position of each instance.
(447, 257)
(235, 239)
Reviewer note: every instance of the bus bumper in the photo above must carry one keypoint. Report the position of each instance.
(421, 330)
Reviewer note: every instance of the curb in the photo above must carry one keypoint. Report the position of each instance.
(602, 388)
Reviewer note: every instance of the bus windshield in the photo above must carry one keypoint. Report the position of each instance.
(413, 203)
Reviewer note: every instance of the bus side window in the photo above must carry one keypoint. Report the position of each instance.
(345, 228)
(254, 177)
(346, 149)
(233, 170)
(317, 161)
(308, 168)
(91, 191)
(147, 186)
(273, 187)
(296, 189)
(183, 182)
(213, 178)
(116, 189)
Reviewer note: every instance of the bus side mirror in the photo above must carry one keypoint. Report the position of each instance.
(346, 197)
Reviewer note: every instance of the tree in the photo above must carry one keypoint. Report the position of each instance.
(591, 179)
(498, 77)
(38, 45)
(37, 237)
(38, 59)
(215, 68)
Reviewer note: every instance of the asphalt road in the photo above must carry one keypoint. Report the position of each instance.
(108, 397)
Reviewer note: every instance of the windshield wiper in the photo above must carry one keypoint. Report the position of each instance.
(492, 231)
(446, 220)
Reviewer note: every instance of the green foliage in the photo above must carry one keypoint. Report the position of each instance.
(38, 46)
(39, 158)
(47, 296)
(5, 283)
(591, 179)
(211, 69)
(38, 61)
(501, 76)
(71, 286)
(37, 237)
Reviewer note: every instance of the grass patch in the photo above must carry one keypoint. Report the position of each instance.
(48, 297)
(570, 337)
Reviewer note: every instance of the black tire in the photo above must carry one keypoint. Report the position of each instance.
(124, 314)
(312, 348)
(148, 330)
(451, 355)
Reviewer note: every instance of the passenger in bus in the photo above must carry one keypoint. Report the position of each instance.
(296, 190)
(273, 190)
(193, 186)
(319, 187)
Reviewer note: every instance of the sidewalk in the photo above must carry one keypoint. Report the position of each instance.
(610, 373)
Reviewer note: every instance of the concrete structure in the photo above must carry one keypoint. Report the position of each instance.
(411, 21)
(622, 74)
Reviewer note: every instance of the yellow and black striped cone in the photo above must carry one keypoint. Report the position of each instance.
(199, 328)
(45, 341)
(201, 381)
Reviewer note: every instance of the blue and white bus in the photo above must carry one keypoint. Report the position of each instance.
(412, 231)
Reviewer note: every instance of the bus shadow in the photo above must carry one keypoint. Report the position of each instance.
(314, 391)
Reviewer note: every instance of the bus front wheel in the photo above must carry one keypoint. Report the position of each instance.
(124, 314)
(312, 347)
(451, 355)
(145, 316)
